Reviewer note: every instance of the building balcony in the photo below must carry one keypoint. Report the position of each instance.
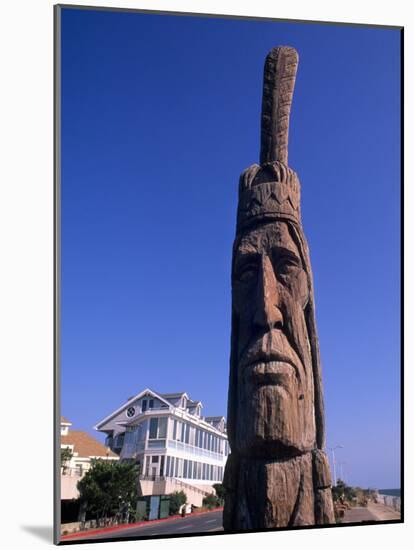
(195, 451)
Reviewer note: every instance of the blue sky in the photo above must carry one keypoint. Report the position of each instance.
(160, 114)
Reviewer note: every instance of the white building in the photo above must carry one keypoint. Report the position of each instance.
(175, 446)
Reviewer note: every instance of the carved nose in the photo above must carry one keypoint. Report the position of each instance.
(267, 314)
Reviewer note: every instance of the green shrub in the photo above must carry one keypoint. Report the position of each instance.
(211, 501)
(177, 499)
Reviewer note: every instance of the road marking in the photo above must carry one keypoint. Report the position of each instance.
(210, 520)
(184, 527)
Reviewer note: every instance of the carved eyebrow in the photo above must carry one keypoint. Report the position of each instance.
(244, 257)
(286, 252)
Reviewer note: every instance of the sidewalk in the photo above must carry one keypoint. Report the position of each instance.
(373, 512)
(358, 514)
(382, 512)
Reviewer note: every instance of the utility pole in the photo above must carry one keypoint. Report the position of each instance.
(332, 449)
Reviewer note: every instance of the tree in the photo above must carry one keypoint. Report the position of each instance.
(220, 492)
(65, 457)
(108, 488)
(350, 493)
(344, 492)
(177, 499)
(338, 490)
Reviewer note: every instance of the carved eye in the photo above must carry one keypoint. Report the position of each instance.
(286, 265)
(247, 273)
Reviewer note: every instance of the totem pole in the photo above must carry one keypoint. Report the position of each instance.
(277, 474)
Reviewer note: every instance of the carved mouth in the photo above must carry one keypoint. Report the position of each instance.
(276, 371)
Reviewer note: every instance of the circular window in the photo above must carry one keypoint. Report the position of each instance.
(130, 412)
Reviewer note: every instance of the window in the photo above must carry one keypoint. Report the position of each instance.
(119, 441)
(179, 430)
(167, 468)
(162, 428)
(144, 405)
(130, 412)
(151, 404)
(158, 428)
(175, 430)
(153, 428)
(185, 468)
(155, 458)
(162, 465)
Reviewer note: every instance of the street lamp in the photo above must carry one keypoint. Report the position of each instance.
(341, 470)
(332, 449)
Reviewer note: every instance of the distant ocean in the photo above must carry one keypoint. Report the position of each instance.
(391, 492)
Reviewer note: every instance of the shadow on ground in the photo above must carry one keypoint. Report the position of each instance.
(41, 532)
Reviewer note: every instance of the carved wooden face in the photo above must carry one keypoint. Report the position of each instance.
(275, 412)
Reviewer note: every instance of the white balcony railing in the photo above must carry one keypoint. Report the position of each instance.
(196, 451)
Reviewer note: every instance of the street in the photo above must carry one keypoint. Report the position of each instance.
(196, 523)
(212, 522)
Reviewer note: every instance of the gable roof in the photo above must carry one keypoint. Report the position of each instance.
(129, 402)
(85, 445)
(179, 394)
(192, 404)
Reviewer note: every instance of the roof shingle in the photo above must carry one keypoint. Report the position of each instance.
(85, 445)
